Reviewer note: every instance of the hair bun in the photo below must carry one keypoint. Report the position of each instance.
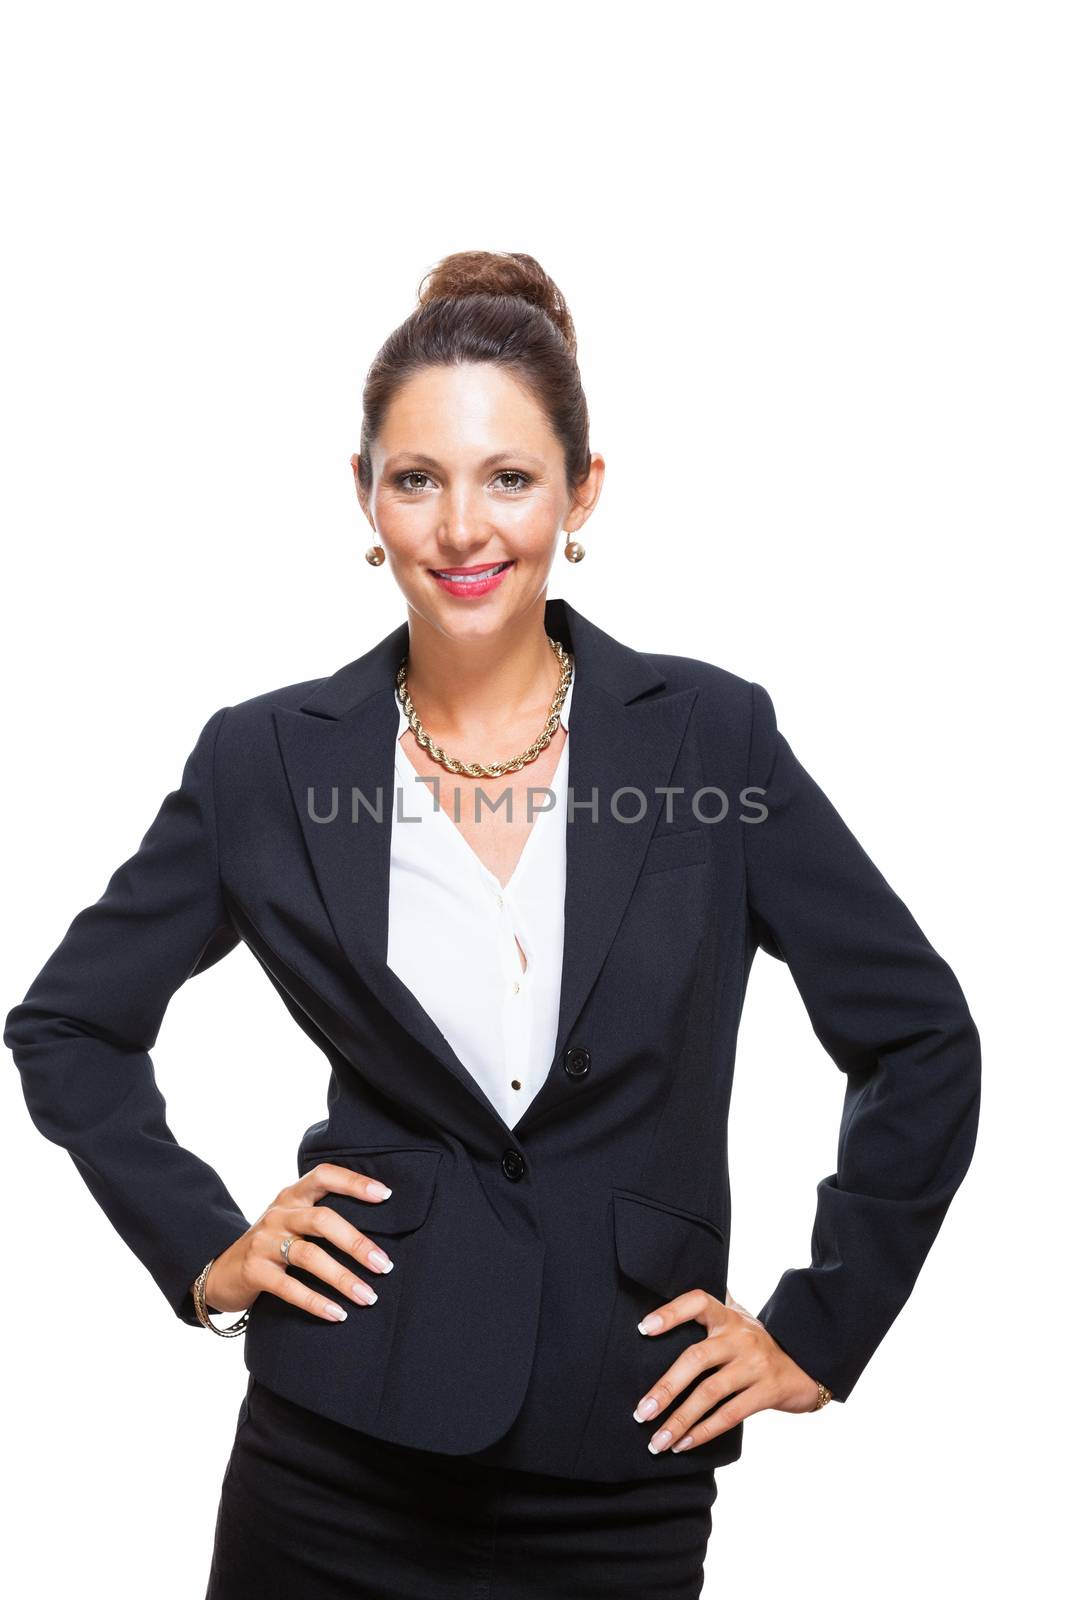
(492, 272)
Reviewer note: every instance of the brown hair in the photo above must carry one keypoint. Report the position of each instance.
(480, 305)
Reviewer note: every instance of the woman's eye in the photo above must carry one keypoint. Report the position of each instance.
(511, 480)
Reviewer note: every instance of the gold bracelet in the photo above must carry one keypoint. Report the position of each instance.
(824, 1397)
(204, 1316)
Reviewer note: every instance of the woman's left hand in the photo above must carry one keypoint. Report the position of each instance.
(750, 1368)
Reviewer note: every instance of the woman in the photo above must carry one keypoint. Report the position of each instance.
(530, 1011)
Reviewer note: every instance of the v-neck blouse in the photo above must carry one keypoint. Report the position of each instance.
(453, 927)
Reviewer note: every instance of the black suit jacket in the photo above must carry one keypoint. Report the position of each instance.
(524, 1258)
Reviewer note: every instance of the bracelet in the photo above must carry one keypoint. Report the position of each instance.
(824, 1397)
(204, 1316)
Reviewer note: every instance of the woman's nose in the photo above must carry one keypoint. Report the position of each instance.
(460, 527)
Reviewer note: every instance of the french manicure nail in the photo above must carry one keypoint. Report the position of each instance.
(379, 1259)
(683, 1444)
(338, 1313)
(646, 1409)
(378, 1190)
(660, 1441)
(364, 1293)
(650, 1324)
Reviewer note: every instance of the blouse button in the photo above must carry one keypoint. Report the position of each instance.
(514, 988)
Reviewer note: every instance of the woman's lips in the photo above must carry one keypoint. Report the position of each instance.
(470, 581)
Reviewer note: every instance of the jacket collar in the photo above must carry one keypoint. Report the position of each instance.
(605, 662)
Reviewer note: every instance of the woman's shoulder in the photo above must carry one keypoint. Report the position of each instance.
(246, 728)
(285, 697)
(727, 697)
(732, 716)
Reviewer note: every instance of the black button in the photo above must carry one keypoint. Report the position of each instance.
(576, 1062)
(514, 1164)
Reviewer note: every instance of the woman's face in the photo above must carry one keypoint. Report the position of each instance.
(467, 473)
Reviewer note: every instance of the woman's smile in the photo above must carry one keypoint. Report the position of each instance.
(471, 581)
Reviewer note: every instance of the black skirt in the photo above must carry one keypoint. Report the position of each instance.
(313, 1510)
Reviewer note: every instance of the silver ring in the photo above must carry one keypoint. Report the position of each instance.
(284, 1247)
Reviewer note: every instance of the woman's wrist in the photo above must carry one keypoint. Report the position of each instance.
(202, 1308)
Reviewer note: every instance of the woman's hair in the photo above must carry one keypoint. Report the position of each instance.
(480, 305)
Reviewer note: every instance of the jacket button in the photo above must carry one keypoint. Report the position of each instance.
(577, 1061)
(514, 1164)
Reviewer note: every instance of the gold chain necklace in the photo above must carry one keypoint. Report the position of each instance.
(495, 769)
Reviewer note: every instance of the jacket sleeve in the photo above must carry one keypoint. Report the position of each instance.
(81, 1037)
(893, 1018)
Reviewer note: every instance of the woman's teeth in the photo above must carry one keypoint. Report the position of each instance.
(473, 577)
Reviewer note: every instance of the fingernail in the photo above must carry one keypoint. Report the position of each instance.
(379, 1259)
(338, 1313)
(364, 1293)
(378, 1190)
(683, 1444)
(660, 1441)
(650, 1324)
(646, 1409)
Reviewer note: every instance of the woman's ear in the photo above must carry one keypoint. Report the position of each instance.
(361, 493)
(586, 496)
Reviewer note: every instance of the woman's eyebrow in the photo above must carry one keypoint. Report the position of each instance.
(417, 458)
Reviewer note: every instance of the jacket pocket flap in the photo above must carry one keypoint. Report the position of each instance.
(682, 848)
(667, 1249)
(410, 1173)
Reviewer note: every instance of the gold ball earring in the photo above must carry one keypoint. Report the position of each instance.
(573, 550)
(375, 555)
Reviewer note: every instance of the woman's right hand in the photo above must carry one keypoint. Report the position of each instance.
(254, 1264)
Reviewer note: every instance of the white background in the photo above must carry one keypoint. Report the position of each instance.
(815, 255)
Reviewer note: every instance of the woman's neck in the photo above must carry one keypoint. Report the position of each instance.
(467, 688)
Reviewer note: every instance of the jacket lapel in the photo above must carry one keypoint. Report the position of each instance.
(342, 739)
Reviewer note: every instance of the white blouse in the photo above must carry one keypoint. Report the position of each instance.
(453, 927)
